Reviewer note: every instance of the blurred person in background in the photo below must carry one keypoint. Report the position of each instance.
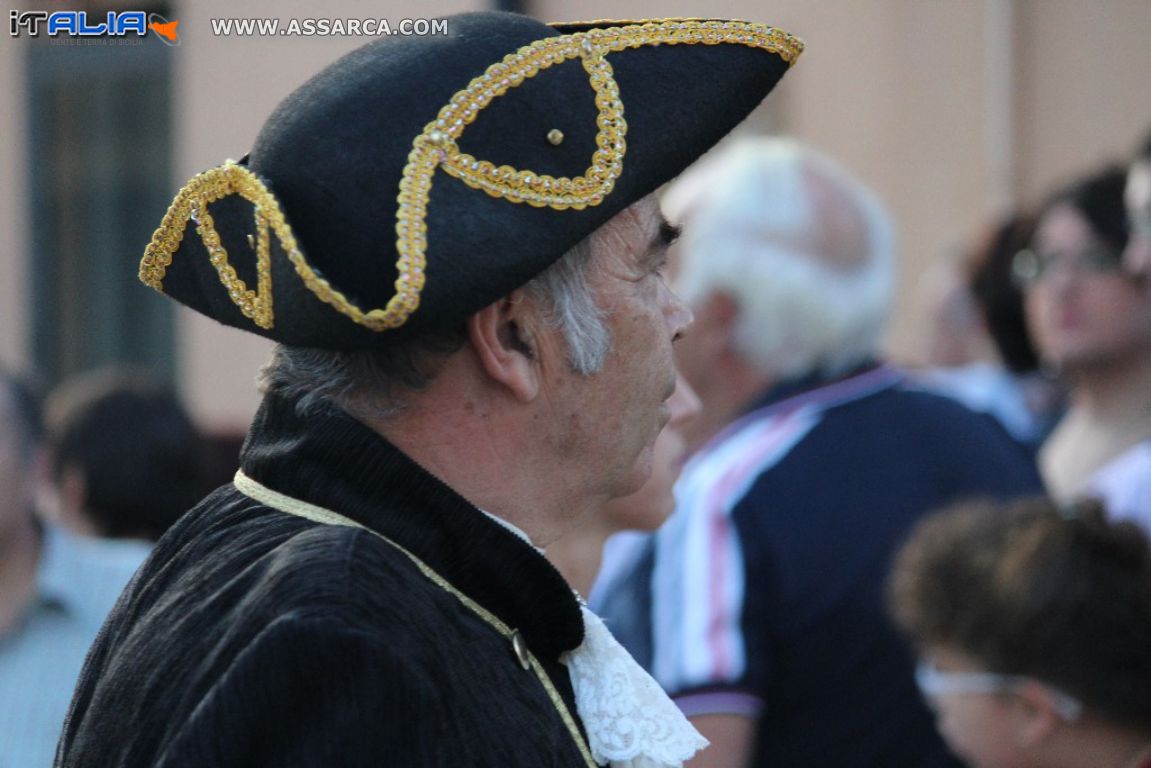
(952, 336)
(1001, 375)
(1091, 322)
(1137, 198)
(764, 615)
(579, 553)
(55, 590)
(1032, 622)
(126, 458)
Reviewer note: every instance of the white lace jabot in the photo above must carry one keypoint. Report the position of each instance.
(630, 721)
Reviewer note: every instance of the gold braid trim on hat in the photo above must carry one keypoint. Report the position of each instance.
(437, 146)
(293, 506)
(192, 203)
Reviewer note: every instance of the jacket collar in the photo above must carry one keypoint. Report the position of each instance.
(333, 461)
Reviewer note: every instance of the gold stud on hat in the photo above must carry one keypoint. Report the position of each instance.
(555, 137)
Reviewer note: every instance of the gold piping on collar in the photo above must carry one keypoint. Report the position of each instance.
(293, 506)
(437, 146)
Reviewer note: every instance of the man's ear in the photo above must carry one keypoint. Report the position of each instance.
(1039, 716)
(502, 335)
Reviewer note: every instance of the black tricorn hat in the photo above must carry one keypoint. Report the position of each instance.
(418, 179)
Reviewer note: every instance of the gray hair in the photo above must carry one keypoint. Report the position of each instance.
(563, 289)
(374, 383)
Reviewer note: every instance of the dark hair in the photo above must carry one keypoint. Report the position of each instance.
(1061, 595)
(140, 455)
(26, 409)
(1099, 197)
(1144, 152)
(997, 295)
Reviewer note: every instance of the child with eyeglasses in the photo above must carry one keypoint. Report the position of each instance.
(1032, 622)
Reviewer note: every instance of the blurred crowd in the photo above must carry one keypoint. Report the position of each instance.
(934, 564)
(91, 474)
(838, 559)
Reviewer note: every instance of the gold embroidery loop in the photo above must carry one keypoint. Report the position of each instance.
(293, 506)
(192, 203)
(231, 179)
(437, 145)
(520, 186)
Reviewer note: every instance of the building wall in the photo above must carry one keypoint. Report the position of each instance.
(1084, 86)
(951, 110)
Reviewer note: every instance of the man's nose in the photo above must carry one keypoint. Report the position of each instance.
(679, 314)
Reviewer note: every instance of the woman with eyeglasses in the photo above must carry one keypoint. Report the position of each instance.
(1091, 324)
(1033, 625)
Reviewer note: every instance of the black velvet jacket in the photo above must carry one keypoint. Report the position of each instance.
(252, 637)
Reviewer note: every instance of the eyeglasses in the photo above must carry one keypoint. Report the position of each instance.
(1029, 267)
(1140, 225)
(934, 682)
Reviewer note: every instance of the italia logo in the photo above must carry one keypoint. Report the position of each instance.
(80, 24)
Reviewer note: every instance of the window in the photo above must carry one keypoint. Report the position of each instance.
(100, 114)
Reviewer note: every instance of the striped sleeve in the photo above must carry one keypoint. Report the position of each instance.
(699, 584)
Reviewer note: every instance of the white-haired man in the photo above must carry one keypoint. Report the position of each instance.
(764, 590)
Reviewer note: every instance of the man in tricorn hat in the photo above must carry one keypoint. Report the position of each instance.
(455, 243)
